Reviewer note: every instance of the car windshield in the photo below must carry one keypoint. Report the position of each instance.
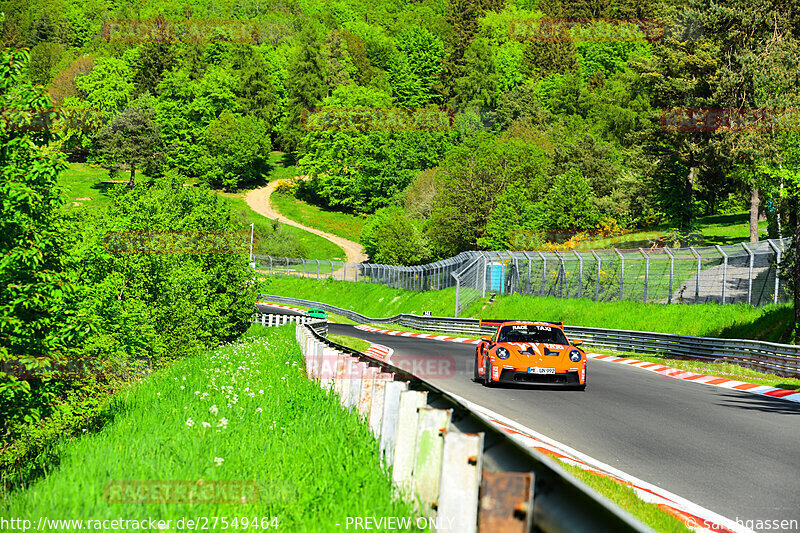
(531, 333)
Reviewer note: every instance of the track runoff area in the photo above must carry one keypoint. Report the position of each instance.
(729, 459)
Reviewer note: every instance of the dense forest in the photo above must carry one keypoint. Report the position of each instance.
(562, 116)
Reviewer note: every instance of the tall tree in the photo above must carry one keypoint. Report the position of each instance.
(132, 138)
(306, 84)
(677, 78)
(743, 30)
(39, 323)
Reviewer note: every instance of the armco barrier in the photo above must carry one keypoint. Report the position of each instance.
(465, 474)
(779, 359)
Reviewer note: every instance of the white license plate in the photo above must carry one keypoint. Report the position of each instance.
(538, 370)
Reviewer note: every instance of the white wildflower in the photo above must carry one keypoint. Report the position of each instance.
(190, 422)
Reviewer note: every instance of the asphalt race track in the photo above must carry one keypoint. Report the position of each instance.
(734, 453)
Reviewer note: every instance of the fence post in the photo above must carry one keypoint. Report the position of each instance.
(597, 285)
(270, 265)
(777, 267)
(580, 272)
(724, 270)
(528, 283)
(621, 272)
(287, 267)
(750, 274)
(483, 290)
(458, 290)
(646, 272)
(562, 273)
(697, 275)
(544, 271)
(344, 271)
(671, 272)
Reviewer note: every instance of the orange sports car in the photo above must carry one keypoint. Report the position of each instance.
(537, 353)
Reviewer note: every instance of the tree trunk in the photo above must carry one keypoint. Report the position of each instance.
(133, 176)
(754, 202)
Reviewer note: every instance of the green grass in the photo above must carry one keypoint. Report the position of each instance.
(351, 342)
(625, 497)
(341, 224)
(281, 167)
(313, 463)
(368, 299)
(716, 229)
(80, 180)
(710, 320)
(312, 246)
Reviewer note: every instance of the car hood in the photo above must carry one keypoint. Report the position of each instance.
(538, 348)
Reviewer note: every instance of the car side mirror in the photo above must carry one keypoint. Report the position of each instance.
(486, 338)
(577, 342)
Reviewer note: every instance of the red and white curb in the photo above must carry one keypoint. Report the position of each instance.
(420, 335)
(692, 515)
(676, 373)
(714, 381)
(289, 307)
(379, 351)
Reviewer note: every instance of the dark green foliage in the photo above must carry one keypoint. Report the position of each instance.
(307, 85)
(133, 139)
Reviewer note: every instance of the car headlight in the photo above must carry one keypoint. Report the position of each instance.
(502, 353)
(575, 356)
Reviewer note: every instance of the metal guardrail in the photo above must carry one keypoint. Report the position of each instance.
(779, 359)
(561, 503)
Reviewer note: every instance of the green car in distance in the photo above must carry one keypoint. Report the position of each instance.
(317, 313)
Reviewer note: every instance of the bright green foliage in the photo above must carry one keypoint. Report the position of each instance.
(237, 149)
(39, 323)
(109, 86)
(568, 204)
(167, 299)
(185, 108)
(390, 237)
(362, 172)
(416, 67)
(488, 188)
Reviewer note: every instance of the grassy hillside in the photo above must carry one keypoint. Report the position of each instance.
(83, 185)
(288, 241)
(711, 320)
(244, 414)
(341, 224)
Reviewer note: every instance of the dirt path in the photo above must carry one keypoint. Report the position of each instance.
(258, 200)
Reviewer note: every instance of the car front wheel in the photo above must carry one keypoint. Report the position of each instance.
(487, 372)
